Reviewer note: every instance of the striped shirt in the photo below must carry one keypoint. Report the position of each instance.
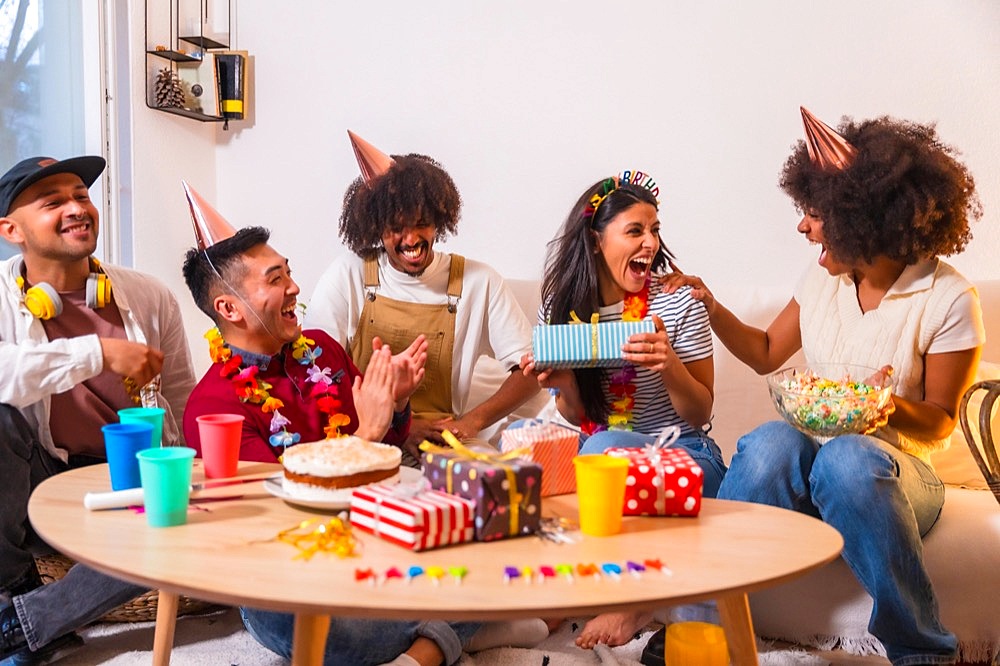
(686, 323)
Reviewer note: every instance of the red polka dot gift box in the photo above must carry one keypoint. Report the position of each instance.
(661, 482)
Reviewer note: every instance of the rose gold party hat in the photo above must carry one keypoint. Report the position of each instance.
(373, 162)
(827, 149)
(209, 226)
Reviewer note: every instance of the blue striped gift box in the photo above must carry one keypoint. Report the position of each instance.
(573, 345)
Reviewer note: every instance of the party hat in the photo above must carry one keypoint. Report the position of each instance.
(373, 162)
(209, 226)
(827, 149)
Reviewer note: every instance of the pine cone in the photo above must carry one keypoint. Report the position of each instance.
(168, 89)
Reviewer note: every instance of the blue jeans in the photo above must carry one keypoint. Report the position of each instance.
(881, 500)
(699, 446)
(83, 595)
(355, 642)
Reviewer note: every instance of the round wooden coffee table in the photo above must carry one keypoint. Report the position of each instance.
(227, 553)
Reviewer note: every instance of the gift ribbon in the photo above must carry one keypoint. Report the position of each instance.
(458, 450)
(402, 491)
(594, 320)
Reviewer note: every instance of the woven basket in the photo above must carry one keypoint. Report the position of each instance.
(141, 609)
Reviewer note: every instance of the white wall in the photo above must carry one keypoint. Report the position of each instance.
(528, 102)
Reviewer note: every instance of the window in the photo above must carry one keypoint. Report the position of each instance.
(51, 90)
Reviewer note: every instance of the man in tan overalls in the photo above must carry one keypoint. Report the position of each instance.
(398, 287)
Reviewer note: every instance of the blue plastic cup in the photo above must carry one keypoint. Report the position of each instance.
(121, 442)
(153, 415)
(166, 484)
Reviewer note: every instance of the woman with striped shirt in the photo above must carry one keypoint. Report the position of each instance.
(605, 260)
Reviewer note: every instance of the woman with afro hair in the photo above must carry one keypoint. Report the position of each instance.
(883, 199)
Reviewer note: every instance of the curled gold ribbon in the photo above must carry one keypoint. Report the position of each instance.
(458, 450)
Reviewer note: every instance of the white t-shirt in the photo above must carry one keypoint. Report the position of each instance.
(686, 322)
(488, 320)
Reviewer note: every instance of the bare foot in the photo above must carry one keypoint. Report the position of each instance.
(426, 652)
(611, 629)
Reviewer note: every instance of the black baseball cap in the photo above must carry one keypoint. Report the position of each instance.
(28, 172)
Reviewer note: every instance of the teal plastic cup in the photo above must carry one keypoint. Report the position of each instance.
(166, 484)
(152, 415)
(121, 442)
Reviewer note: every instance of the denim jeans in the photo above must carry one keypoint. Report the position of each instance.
(881, 500)
(354, 642)
(699, 445)
(83, 595)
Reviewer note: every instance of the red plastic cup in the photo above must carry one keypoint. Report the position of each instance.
(220, 443)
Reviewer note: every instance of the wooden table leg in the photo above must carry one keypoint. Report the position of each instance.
(309, 639)
(734, 610)
(166, 620)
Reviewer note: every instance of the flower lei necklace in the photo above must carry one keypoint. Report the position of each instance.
(250, 388)
(636, 306)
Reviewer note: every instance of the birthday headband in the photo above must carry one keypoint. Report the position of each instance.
(610, 185)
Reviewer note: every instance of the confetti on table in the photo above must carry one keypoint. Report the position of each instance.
(413, 572)
(457, 573)
(435, 573)
(565, 570)
(613, 570)
(510, 573)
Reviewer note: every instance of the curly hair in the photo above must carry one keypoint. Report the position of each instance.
(415, 188)
(207, 271)
(570, 280)
(905, 196)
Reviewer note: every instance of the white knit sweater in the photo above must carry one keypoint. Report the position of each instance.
(898, 332)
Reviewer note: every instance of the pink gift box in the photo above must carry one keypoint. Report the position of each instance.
(552, 447)
(661, 482)
(420, 521)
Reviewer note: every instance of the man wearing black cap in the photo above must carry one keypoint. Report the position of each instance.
(78, 341)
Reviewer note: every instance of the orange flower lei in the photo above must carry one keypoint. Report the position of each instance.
(622, 387)
(250, 388)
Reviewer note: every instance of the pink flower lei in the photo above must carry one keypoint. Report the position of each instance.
(250, 388)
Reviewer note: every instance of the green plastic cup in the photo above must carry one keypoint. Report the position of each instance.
(166, 484)
(153, 415)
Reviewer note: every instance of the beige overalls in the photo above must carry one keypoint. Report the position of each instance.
(398, 323)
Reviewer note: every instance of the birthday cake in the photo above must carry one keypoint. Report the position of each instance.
(318, 470)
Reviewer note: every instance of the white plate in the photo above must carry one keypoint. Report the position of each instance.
(341, 499)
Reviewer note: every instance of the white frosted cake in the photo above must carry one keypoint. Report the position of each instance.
(319, 470)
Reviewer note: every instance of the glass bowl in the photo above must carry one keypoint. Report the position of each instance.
(827, 400)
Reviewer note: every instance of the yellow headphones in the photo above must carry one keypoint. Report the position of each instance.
(43, 301)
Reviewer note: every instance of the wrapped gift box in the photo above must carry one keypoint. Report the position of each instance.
(417, 520)
(553, 448)
(661, 482)
(506, 490)
(593, 345)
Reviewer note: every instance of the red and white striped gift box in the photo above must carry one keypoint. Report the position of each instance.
(552, 447)
(418, 521)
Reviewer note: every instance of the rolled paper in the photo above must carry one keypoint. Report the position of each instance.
(613, 570)
(413, 572)
(457, 573)
(635, 568)
(435, 573)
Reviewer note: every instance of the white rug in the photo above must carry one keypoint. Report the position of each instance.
(219, 639)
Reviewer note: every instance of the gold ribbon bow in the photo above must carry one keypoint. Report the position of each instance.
(594, 320)
(456, 451)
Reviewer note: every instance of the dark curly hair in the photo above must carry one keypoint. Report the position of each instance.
(905, 196)
(415, 188)
(570, 280)
(213, 271)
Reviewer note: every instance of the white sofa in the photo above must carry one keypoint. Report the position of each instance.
(828, 607)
